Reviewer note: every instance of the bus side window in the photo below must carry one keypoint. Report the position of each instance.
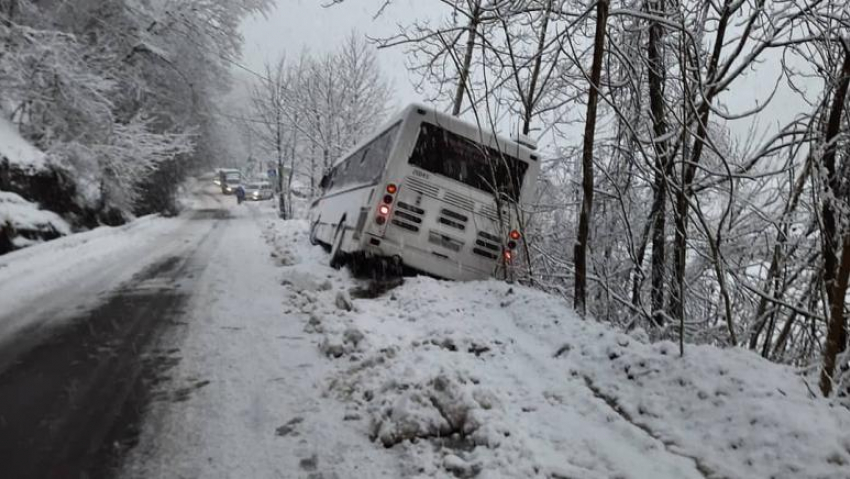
(377, 155)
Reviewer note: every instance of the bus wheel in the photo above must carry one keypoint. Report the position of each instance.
(337, 256)
(313, 231)
(359, 265)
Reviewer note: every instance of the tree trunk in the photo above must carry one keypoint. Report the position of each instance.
(292, 152)
(638, 275)
(279, 146)
(312, 169)
(703, 114)
(663, 163)
(834, 274)
(580, 250)
(463, 74)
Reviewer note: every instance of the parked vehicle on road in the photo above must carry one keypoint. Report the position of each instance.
(430, 191)
(229, 180)
(258, 191)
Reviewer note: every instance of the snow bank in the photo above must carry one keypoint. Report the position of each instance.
(29, 223)
(19, 152)
(487, 379)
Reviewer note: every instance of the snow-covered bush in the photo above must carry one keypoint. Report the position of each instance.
(23, 223)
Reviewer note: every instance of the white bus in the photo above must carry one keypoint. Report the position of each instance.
(431, 192)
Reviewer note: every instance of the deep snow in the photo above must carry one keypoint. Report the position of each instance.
(284, 367)
(488, 379)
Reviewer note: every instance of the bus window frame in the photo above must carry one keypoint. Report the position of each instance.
(340, 169)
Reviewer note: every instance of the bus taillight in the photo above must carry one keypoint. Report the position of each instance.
(514, 234)
(384, 209)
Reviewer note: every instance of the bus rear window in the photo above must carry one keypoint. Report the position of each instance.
(447, 154)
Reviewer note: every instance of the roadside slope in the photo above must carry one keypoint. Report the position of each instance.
(488, 379)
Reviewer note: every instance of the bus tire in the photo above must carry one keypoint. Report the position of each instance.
(359, 265)
(313, 231)
(337, 256)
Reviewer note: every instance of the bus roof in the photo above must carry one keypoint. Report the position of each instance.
(451, 123)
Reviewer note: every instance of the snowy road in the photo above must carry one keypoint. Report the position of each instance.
(221, 345)
(78, 319)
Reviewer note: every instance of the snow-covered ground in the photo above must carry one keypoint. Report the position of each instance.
(247, 396)
(488, 379)
(284, 367)
(314, 372)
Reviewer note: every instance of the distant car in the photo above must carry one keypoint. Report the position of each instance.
(258, 191)
(229, 186)
(228, 180)
(220, 173)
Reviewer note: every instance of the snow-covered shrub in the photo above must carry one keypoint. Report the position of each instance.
(23, 223)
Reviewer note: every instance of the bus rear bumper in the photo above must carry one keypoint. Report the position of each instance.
(429, 262)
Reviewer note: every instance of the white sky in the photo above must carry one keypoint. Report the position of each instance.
(298, 24)
(305, 24)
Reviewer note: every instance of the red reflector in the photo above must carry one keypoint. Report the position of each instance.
(514, 235)
(380, 220)
(388, 199)
(384, 210)
(391, 188)
(511, 244)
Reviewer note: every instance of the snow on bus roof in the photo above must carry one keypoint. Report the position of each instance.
(18, 151)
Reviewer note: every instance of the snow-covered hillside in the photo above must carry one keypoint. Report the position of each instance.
(488, 379)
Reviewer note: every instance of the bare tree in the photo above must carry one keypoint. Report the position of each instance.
(595, 78)
(835, 232)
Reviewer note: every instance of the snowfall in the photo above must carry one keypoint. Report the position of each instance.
(301, 370)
